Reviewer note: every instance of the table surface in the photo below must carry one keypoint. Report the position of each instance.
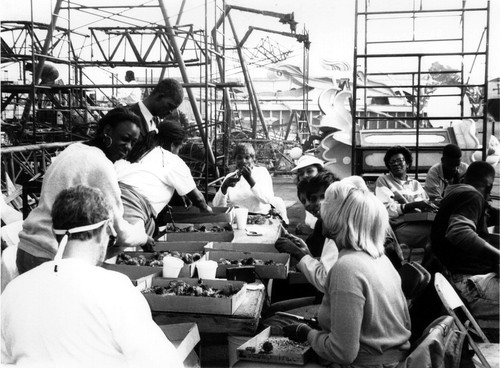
(269, 233)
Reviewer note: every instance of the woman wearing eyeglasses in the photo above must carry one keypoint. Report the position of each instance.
(401, 195)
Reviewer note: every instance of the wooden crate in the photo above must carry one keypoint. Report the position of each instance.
(196, 304)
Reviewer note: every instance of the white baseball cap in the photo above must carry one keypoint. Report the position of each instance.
(307, 160)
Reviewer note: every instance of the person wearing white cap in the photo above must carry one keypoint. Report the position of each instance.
(71, 313)
(308, 166)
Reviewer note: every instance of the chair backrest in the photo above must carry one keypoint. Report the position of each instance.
(438, 340)
(451, 302)
(414, 279)
(447, 293)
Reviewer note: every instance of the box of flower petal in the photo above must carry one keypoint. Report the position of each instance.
(155, 259)
(267, 265)
(191, 295)
(183, 232)
(269, 348)
(195, 216)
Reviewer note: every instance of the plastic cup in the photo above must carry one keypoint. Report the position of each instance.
(206, 269)
(172, 266)
(241, 215)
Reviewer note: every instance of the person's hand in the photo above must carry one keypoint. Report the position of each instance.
(208, 209)
(297, 332)
(246, 172)
(149, 246)
(424, 206)
(298, 242)
(230, 181)
(284, 245)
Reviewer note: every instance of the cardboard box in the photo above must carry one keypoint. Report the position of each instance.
(141, 276)
(194, 216)
(282, 353)
(207, 236)
(196, 304)
(277, 270)
(184, 336)
(186, 271)
(181, 246)
(241, 247)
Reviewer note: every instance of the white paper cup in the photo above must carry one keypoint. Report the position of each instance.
(206, 269)
(172, 266)
(241, 215)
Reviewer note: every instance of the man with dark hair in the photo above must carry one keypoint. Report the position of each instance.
(71, 313)
(449, 171)
(461, 241)
(128, 96)
(165, 98)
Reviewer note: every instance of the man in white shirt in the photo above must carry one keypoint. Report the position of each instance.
(129, 95)
(71, 313)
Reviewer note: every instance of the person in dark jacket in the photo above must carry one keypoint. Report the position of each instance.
(462, 243)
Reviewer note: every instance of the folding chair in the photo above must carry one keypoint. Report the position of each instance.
(414, 280)
(451, 302)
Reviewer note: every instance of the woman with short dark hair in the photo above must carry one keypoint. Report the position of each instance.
(401, 195)
(249, 186)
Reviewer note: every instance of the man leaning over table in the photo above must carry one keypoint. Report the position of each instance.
(70, 312)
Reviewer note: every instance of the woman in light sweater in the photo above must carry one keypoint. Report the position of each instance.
(363, 317)
(91, 164)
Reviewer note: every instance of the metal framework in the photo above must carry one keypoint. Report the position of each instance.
(130, 41)
(414, 55)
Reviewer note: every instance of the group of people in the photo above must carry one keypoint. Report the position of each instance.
(91, 198)
(363, 318)
(105, 191)
(65, 310)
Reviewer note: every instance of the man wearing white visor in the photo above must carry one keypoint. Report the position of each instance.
(70, 312)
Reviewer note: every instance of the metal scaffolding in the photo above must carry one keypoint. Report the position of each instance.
(409, 57)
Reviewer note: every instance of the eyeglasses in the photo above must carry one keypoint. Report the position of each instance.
(398, 161)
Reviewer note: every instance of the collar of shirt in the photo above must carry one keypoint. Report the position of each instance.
(402, 181)
(148, 117)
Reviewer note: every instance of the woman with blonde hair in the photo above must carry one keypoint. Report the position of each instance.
(363, 317)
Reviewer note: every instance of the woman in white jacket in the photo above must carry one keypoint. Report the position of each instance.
(249, 186)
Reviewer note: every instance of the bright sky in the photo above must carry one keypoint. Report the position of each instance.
(330, 23)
